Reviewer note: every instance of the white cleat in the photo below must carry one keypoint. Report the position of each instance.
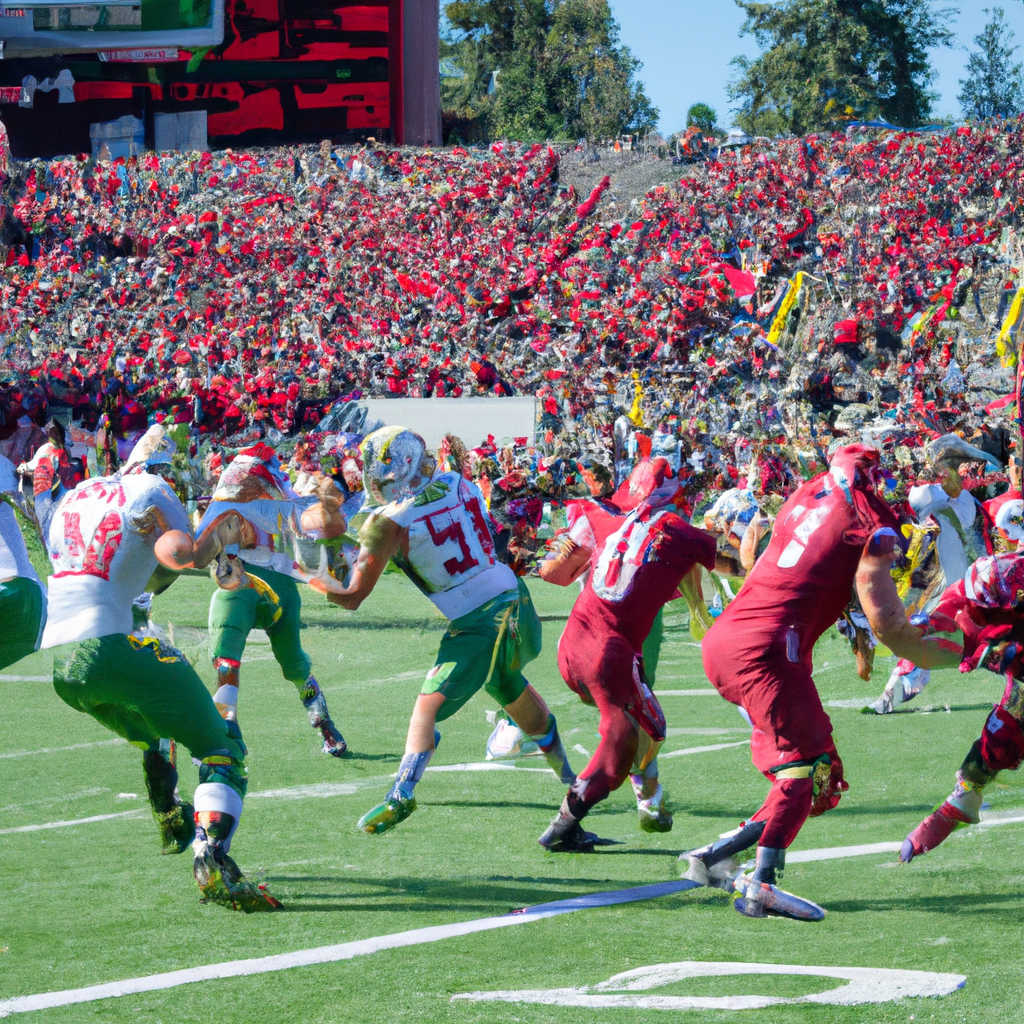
(508, 741)
(760, 899)
(900, 689)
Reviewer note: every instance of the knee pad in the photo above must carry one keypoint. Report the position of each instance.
(826, 775)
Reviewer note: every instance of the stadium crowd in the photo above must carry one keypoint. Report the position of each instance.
(830, 322)
(244, 292)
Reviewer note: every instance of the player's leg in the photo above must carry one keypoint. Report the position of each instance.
(792, 746)
(420, 744)
(283, 624)
(144, 690)
(517, 632)
(906, 681)
(602, 676)
(1000, 747)
(232, 618)
(650, 804)
(22, 618)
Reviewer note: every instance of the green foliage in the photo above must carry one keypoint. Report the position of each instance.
(993, 86)
(540, 69)
(824, 62)
(702, 116)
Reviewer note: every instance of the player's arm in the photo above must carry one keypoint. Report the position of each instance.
(566, 563)
(379, 541)
(226, 531)
(886, 614)
(751, 538)
(571, 552)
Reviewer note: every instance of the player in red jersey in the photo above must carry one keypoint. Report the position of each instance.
(833, 533)
(637, 560)
(987, 607)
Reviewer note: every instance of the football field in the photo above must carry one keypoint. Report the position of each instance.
(411, 925)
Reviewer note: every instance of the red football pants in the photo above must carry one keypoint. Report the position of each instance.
(601, 670)
(790, 725)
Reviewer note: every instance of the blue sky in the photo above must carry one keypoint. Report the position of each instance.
(686, 46)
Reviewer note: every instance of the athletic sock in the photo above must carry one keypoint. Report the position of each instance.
(410, 771)
(550, 744)
(770, 863)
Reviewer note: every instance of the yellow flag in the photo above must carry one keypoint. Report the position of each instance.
(1009, 357)
(636, 414)
(784, 310)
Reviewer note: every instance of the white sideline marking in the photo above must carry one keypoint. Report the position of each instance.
(838, 852)
(993, 820)
(485, 766)
(866, 985)
(704, 750)
(332, 954)
(57, 750)
(67, 824)
(26, 679)
(319, 790)
(853, 702)
(686, 693)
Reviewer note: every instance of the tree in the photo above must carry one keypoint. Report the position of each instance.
(702, 116)
(824, 62)
(993, 86)
(561, 70)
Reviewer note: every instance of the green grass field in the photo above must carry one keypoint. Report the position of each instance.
(95, 903)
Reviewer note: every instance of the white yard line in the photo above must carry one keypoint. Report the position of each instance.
(333, 954)
(415, 937)
(26, 679)
(485, 766)
(839, 852)
(703, 750)
(68, 824)
(57, 750)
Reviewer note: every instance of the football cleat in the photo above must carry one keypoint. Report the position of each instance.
(937, 827)
(221, 880)
(508, 741)
(719, 875)
(315, 704)
(176, 827)
(387, 815)
(334, 742)
(654, 816)
(903, 686)
(571, 840)
(760, 899)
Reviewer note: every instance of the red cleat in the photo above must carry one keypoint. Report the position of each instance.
(932, 831)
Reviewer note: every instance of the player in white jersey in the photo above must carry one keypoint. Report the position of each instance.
(22, 595)
(435, 527)
(106, 539)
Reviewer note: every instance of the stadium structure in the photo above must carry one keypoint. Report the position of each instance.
(247, 71)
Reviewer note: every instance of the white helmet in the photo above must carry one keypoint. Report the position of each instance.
(396, 464)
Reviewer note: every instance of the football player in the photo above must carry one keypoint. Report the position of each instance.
(834, 532)
(106, 539)
(434, 525)
(636, 562)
